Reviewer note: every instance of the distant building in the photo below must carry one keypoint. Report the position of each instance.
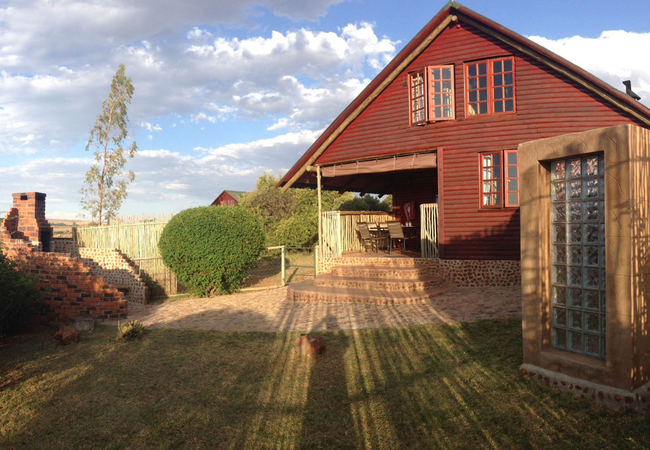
(230, 198)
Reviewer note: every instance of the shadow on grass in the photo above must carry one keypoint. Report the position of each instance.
(434, 386)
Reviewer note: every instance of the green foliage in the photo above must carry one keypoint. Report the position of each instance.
(130, 331)
(368, 202)
(291, 217)
(211, 248)
(299, 230)
(106, 183)
(17, 294)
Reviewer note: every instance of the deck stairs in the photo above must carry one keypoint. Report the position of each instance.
(385, 281)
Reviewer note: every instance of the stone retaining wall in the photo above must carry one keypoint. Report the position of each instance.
(464, 273)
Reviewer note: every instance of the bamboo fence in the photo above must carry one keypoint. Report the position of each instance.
(340, 230)
(429, 230)
(139, 243)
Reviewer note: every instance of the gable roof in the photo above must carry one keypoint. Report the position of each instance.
(234, 194)
(453, 12)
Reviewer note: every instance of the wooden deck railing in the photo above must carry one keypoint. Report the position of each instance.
(429, 230)
(340, 230)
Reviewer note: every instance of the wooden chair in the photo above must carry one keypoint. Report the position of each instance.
(367, 237)
(395, 233)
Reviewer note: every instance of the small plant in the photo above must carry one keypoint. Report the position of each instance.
(130, 331)
(18, 293)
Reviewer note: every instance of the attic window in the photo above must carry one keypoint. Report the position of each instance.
(490, 86)
(431, 94)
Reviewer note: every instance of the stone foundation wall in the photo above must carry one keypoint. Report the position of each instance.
(610, 397)
(463, 273)
(67, 287)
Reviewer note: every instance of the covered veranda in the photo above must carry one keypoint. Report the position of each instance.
(412, 180)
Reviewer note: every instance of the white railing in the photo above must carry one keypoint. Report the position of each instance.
(429, 230)
(340, 231)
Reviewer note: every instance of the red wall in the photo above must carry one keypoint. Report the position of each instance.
(547, 104)
(418, 187)
(225, 199)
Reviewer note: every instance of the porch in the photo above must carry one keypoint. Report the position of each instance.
(340, 237)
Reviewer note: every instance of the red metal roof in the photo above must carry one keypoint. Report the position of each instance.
(452, 8)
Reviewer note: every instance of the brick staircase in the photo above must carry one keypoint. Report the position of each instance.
(383, 281)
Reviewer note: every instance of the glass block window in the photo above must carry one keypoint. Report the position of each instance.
(578, 255)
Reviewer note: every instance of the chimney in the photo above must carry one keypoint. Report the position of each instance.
(629, 91)
(27, 219)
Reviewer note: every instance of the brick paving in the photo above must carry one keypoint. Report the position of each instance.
(269, 311)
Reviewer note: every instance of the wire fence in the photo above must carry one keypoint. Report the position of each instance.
(282, 265)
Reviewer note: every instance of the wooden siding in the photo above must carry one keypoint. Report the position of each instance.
(225, 199)
(547, 104)
(419, 187)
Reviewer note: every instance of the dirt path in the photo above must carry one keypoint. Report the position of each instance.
(269, 311)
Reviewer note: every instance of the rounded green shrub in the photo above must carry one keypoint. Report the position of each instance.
(17, 295)
(211, 248)
(299, 230)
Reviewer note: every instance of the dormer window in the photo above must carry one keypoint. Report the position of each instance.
(490, 86)
(431, 94)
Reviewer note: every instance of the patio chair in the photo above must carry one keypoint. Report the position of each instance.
(367, 237)
(395, 233)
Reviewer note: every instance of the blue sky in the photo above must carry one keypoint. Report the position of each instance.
(227, 90)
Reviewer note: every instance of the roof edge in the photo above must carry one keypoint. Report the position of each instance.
(421, 41)
(413, 48)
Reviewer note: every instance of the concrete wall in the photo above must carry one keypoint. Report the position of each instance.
(626, 151)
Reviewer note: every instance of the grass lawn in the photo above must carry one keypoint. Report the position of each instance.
(422, 387)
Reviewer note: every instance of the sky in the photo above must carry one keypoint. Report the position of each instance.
(227, 90)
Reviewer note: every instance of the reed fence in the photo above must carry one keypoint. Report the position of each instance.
(340, 230)
(139, 243)
(429, 230)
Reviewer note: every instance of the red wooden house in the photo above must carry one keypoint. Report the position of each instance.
(230, 198)
(442, 122)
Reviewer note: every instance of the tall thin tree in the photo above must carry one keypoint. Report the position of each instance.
(106, 183)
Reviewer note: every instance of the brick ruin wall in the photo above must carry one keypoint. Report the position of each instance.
(71, 281)
(109, 264)
(67, 287)
(463, 273)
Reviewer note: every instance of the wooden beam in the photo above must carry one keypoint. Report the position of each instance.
(387, 81)
(344, 188)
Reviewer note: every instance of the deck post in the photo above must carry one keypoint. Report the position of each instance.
(320, 208)
(283, 267)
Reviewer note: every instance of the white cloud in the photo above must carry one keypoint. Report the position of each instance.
(57, 90)
(150, 127)
(613, 56)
